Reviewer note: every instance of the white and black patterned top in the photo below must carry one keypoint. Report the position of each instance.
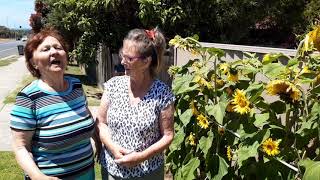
(134, 127)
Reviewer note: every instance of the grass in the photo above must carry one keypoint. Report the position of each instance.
(8, 61)
(93, 93)
(10, 170)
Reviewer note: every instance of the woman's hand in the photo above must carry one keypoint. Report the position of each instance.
(130, 160)
(118, 151)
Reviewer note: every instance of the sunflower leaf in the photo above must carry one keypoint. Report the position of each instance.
(273, 70)
(186, 116)
(217, 111)
(245, 152)
(188, 170)
(205, 143)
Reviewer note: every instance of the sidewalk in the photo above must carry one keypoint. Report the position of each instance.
(10, 77)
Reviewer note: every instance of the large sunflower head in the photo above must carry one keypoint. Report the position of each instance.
(271, 147)
(286, 90)
(240, 102)
(203, 121)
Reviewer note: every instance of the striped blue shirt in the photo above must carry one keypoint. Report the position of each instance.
(62, 124)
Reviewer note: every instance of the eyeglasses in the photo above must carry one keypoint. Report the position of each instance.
(131, 59)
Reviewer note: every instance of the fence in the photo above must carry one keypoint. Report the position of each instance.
(173, 56)
(107, 61)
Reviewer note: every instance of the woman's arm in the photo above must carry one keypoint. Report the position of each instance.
(22, 148)
(167, 132)
(103, 132)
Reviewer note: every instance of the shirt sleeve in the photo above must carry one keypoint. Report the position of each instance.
(167, 98)
(22, 113)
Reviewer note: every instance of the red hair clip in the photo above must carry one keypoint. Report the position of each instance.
(151, 34)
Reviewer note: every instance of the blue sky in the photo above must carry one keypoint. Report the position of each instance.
(15, 13)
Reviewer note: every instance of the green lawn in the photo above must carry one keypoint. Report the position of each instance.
(9, 169)
(93, 93)
(7, 61)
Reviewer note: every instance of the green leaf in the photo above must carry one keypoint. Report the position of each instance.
(181, 84)
(292, 62)
(273, 70)
(178, 175)
(215, 52)
(205, 143)
(254, 91)
(186, 116)
(246, 152)
(223, 168)
(278, 106)
(178, 139)
(189, 169)
(272, 57)
(218, 111)
(261, 119)
(312, 172)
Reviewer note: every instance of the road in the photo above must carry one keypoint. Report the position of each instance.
(9, 48)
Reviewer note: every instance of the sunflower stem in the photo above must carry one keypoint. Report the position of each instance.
(288, 165)
(215, 79)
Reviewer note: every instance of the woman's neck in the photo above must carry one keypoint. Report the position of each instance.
(140, 84)
(58, 84)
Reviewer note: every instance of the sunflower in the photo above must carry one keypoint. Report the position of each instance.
(271, 147)
(233, 75)
(240, 102)
(312, 40)
(284, 89)
(229, 153)
(224, 68)
(203, 82)
(203, 121)
(192, 139)
(193, 108)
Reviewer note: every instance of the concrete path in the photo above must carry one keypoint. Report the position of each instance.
(10, 78)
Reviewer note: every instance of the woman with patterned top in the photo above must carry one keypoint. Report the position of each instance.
(50, 121)
(135, 118)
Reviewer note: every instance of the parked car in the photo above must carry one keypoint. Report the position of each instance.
(24, 38)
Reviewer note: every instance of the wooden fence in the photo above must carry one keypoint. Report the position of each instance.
(106, 62)
(173, 56)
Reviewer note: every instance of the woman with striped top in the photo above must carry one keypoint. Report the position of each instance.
(50, 122)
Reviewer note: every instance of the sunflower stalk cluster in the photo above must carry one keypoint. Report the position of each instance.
(232, 124)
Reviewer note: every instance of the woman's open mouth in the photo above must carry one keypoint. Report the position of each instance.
(56, 62)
